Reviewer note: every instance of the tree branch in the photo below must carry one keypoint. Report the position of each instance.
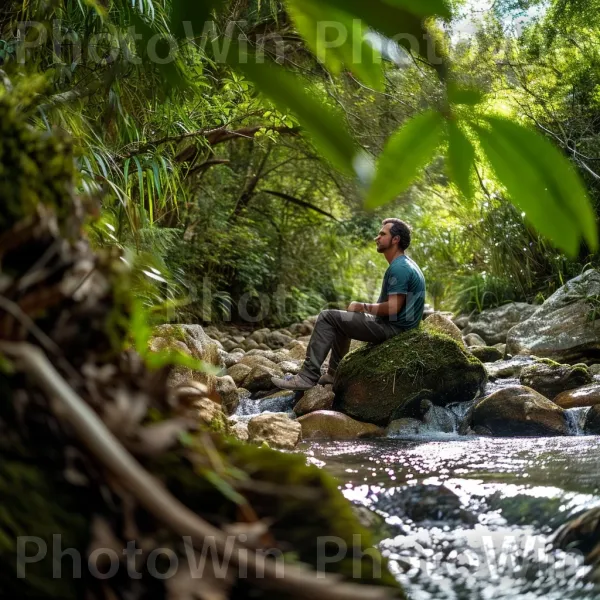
(300, 203)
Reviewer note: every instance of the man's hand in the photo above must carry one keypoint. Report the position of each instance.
(356, 307)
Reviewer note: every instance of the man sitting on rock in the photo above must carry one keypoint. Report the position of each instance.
(399, 308)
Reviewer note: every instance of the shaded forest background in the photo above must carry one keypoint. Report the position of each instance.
(221, 203)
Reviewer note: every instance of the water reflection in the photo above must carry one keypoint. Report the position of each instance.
(470, 518)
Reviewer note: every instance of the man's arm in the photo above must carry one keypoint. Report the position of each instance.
(391, 306)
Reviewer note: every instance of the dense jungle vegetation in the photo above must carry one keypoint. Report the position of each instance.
(204, 181)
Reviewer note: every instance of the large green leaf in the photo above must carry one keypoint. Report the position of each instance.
(541, 181)
(407, 151)
(460, 159)
(324, 125)
(337, 39)
(393, 19)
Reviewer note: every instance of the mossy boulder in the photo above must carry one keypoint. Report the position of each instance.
(519, 411)
(383, 382)
(552, 379)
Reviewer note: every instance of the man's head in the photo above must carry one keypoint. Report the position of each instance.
(393, 232)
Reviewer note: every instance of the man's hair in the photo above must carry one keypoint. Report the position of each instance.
(401, 229)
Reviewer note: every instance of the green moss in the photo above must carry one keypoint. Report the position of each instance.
(378, 382)
(547, 361)
(299, 521)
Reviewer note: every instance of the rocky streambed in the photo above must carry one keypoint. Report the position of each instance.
(465, 443)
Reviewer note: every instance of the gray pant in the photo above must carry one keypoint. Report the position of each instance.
(333, 331)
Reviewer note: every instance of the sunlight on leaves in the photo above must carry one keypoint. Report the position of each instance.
(407, 151)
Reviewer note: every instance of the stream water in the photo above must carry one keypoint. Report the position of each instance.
(467, 517)
(470, 517)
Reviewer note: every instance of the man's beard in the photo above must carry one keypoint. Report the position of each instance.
(381, 249)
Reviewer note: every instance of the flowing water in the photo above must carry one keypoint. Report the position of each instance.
(467, 517)
(470, 517)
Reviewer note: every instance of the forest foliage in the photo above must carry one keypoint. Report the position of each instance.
(245, 190)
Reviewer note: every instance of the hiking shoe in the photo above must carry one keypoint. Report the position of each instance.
(326, 379)
(292, 382)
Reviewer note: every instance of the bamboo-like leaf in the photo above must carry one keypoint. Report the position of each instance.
(541, 181)
(337, 39)
(407, 151)
(461, 156)
(324, 125)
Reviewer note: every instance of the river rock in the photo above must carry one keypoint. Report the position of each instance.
(550, 379)
(444, 325)
(561, 328)
(519, 411)
(239, 430)
(510, 368)
(255, 360)
(494, 324)
(405, 426)
(259, 378)
(380, 383)
(190, 340)
(473, 340)
(461, 321)
(277, 339)
(486, 354)
(588, 395)
(291, 366)
(592, 421)
(277, 429)
(328, 424)
(595, 369)
(230, 358)
(238, 373)
(209, 414)
(317, 398)
(228, 392)
(297, 350)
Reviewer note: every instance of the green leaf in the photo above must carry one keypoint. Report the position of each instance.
(223, 486)
(325, 125)
(541, 181)
(460, 159)
(337, 39)
(464, 95)
(401, 20)
(405, 154)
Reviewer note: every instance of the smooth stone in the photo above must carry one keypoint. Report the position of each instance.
(588, 395)
(332, 425)
(486, 354)
(493, 324)
(519, 411)
(317, 398)
(472, 339)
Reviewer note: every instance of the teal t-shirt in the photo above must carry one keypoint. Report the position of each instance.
(403, 276)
